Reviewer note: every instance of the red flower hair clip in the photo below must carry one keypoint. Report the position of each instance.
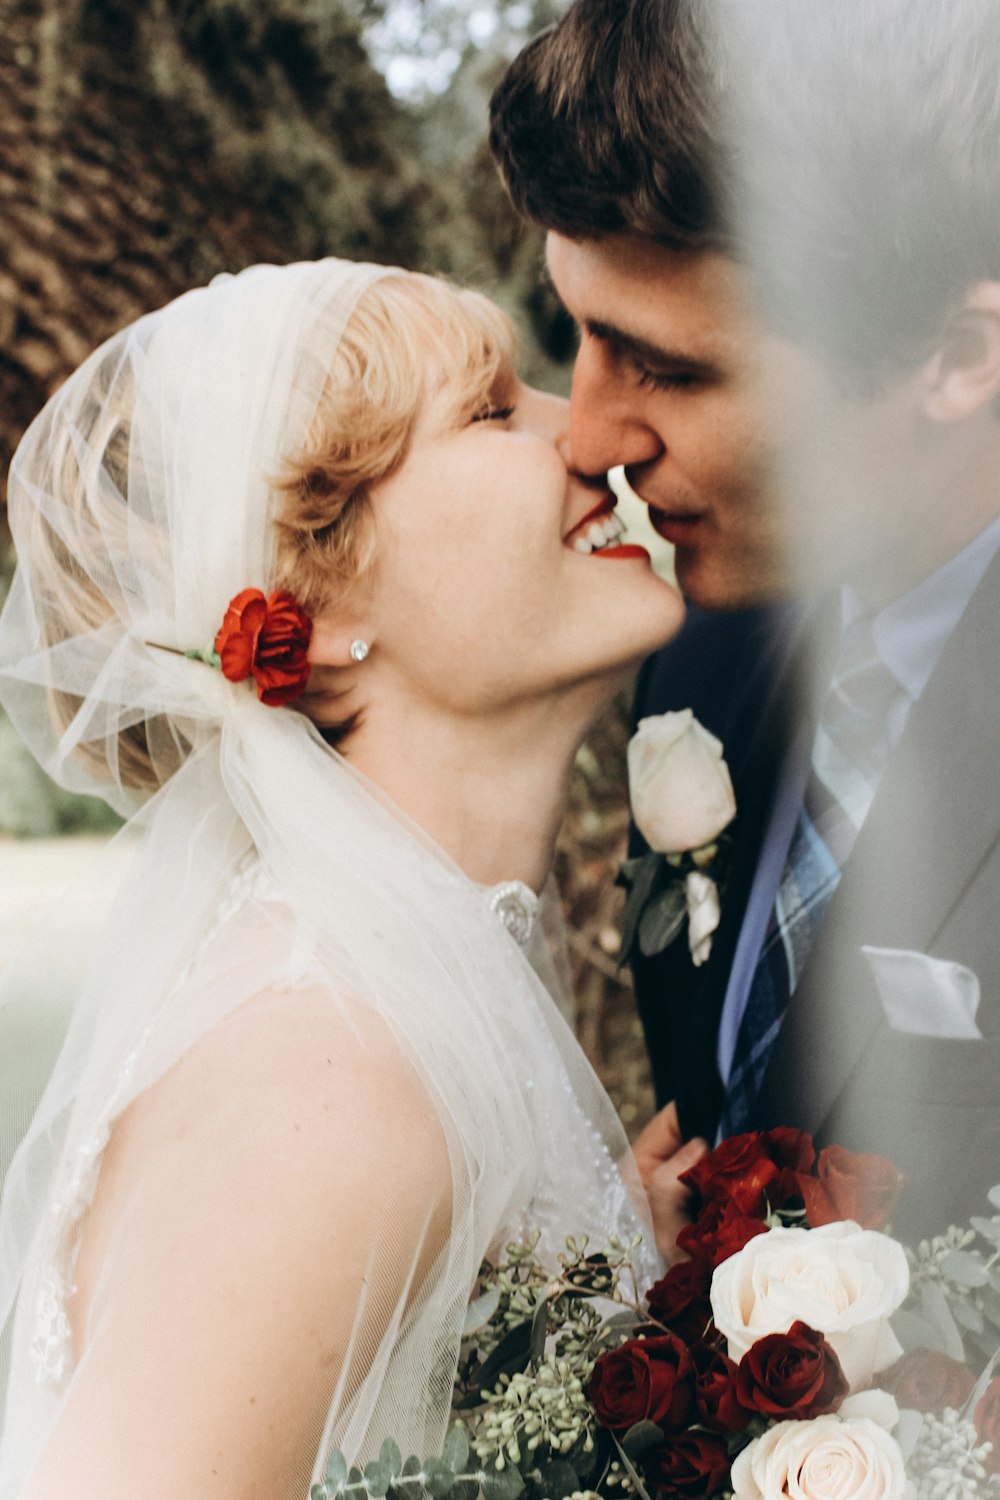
(267, 639)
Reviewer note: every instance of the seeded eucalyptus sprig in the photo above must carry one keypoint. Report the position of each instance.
(525, 1427)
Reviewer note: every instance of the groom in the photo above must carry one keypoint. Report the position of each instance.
(781, 245)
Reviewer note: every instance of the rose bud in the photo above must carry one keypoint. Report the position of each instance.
(679, 1300)
(715, 1395)
(739, 1169)
(926, 1380)
(679, 784)
(851, 1185)
(795, 1375)
(648, 1380)
(693, 1465)
(719, 1231)
(987, 1420)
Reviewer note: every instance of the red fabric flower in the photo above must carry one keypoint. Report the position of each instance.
(268, 639)
(679, 1299)
(645, 1380)
(928, 1381)
(754, 1170)
(849, 1185)
(715, 1396)
(719, 1231)
(692, 1465)
(987, 1420)
(794, 1375)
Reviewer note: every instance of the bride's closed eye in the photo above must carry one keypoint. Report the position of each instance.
(494, 414)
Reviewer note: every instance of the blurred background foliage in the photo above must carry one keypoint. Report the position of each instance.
(145, 147)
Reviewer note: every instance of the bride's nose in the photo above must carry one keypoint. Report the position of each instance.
(547, 415)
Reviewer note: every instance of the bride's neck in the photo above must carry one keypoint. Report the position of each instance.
(492, 795)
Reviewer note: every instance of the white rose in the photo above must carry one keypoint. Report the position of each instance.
(825, 1459)
(703, 914)
(679, 784)
(842, 1280)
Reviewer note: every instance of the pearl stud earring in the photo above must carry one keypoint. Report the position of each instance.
(359, 650)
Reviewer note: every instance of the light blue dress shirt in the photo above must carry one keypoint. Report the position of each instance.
(909, 635)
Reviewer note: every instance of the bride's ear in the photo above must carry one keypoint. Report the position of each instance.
(339, 642)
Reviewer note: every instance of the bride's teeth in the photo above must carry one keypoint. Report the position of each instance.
(595, 534)
(583, 544)
(613, 528)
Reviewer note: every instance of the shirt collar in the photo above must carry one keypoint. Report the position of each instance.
(910, 633)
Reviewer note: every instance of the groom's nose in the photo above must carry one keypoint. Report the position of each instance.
(607, 424)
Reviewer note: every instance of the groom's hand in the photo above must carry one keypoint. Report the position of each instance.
(662, 1156)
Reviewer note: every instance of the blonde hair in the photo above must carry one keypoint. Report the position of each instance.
(410, 339)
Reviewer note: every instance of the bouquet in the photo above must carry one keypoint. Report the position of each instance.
(798, 1350)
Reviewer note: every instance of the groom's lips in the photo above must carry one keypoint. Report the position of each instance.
(676, 527)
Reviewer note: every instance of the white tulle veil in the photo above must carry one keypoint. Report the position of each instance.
(263, 862)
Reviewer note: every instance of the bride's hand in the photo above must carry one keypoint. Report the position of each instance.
(661, 1156)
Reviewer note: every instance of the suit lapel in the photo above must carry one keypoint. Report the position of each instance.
(936, 815)
(775, 698)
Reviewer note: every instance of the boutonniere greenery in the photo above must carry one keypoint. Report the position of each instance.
(682, 803)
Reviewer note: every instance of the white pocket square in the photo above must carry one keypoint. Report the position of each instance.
(926, 996)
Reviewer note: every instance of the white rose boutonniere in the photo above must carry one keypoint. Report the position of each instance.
(682, 802)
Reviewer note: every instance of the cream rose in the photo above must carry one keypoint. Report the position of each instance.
(679, 785)
(825, 1459)
(842, 1280)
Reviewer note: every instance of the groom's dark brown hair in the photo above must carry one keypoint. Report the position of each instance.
(603, 124)
(858, 142)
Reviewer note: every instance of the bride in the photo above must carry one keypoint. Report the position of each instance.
(312, 1077)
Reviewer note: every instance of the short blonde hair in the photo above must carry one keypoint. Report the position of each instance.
(411, 338)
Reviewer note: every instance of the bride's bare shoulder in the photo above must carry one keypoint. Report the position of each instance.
(285, 1180)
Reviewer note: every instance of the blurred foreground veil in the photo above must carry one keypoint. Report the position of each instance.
(861, 168)
(265, 876)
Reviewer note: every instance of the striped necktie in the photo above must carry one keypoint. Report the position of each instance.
(850, 751)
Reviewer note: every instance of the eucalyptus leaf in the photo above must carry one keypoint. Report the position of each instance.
(967, 1270)
(439, 1478)
(509, 1357)
(640, 876)
(377, 1478)
(915, 1332)
(642, 1438)
(412, 1466)
(907, 1431)
(390, 1455)
(318, 1492)
(967, 1315)
(480, 1312)
(632, 1473)
(981, 1384)
(988, 1228)
(662, 920)
(456, 1449)
(936, 1311)
(539, 1330)
(558, 1480)
(994, 1196)
(502, 1484)
(335, 1472)
(354, 1475)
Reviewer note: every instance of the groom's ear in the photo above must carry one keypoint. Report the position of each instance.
(963, 375)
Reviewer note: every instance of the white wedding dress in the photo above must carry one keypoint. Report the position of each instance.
(272, 894)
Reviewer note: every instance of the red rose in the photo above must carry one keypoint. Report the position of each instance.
(795, 1375)
(928, 1381)
(679, 1300)
(268, 638)
(693, 1465)
(987, 1420)
(645, 1380)
(849, 1185)
(754, 1171)
(715, 1396)
(719, 1231)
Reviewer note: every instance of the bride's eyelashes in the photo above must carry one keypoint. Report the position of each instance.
(494, 414)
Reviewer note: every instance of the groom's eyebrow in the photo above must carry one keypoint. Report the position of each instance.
(644, 350)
